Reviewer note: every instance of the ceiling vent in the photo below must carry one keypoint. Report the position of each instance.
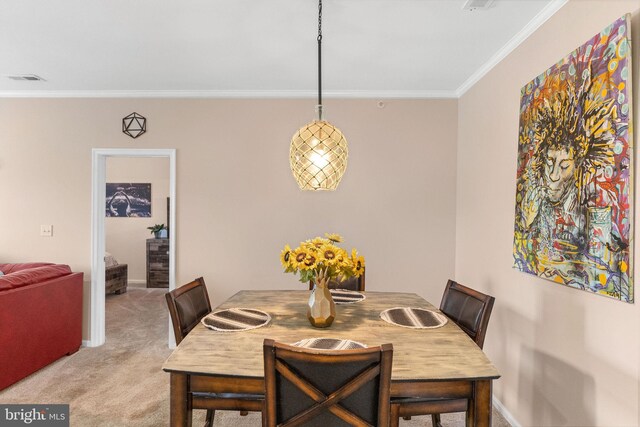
(477, 5)
(28, 77)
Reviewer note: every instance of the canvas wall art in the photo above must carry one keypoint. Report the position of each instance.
(128, 200)
(574, 196)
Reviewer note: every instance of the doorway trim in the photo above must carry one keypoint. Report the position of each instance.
(98, 206)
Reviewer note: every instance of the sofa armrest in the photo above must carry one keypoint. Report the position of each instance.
(38, 325)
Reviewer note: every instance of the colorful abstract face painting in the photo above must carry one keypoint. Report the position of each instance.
(574, 222)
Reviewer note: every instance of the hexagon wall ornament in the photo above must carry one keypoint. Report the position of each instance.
(134, 125)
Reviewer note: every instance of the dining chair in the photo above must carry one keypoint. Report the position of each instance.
(351, 284)
(188, 304)
(470, 310)
(322, 388)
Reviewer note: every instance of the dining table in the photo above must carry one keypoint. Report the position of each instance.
(440, 363)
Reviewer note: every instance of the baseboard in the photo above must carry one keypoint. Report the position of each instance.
(137, 283)
(85, 343)
(505, 413)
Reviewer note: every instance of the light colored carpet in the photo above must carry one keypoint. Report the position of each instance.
(122, 384)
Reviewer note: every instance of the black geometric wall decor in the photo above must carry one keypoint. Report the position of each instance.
(134, 125)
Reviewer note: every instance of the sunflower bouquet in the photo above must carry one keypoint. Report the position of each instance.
(320, 258)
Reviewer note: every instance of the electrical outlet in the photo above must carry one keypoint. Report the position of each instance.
(46, 230)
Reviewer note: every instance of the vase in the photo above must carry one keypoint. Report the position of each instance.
(321, 311)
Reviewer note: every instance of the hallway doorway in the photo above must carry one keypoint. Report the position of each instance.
(97, 294)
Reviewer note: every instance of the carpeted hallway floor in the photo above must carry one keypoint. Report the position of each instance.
(121, 383)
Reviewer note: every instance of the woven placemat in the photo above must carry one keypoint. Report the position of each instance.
(329, 344)
(236, 319)
(410, 317)
(342, 296)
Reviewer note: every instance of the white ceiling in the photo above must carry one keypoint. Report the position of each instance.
(257, 48)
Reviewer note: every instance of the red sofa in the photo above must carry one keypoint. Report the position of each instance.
(40, 317)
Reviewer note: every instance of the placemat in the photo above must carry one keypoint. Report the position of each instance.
(417, 318)
(342, 296)
(329, 344)
(236, 319)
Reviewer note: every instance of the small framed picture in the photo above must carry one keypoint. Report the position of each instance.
(128, 200)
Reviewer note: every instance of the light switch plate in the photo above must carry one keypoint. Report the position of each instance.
(46, 230)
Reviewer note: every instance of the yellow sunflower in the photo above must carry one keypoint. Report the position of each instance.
(310, 262)
(342, 258)
(317, 243)
(335, 238)
(329, 252)
(358, 263)
(297, 257)
(285, 256)
(358, 266)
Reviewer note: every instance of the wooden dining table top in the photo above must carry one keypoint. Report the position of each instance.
(444, 353)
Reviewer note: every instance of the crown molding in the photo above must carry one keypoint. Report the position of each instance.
(390, 94)
(231, 94)
(521, 36)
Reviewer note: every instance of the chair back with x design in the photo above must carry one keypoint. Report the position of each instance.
(305, 387)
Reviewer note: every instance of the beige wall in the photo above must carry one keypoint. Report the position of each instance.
(126, 237)
(237, 203)
(567, 358)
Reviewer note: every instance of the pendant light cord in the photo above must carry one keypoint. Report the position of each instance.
(320, 59)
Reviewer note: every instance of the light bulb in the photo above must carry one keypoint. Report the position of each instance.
(319, 159)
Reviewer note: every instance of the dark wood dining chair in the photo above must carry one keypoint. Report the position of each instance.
(322, 388)
(351, 284)
(188, 304)
(470, 310)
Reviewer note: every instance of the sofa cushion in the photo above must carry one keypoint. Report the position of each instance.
(31, 276)
(12, 268)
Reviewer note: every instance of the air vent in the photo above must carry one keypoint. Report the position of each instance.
(28, 77)
(477, 4)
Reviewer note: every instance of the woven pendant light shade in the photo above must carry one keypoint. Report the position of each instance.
(318, 153)
(318, 156)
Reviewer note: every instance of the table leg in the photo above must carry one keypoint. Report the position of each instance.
(479, 411)
(180, 409)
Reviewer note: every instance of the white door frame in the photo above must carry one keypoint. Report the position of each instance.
(98, 205)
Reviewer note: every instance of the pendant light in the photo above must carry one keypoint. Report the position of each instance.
(318, 153)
